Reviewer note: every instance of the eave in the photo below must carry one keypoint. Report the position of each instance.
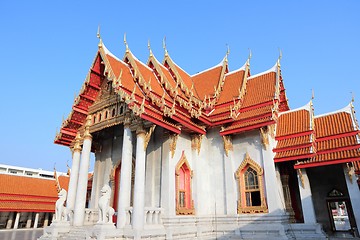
(325, 163)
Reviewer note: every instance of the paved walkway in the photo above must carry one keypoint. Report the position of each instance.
(21, 234)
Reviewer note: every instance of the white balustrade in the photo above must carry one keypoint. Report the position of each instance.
(152, 215)
(91, 216)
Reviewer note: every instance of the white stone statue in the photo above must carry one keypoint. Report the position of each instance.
(60, 209)
(105, 211)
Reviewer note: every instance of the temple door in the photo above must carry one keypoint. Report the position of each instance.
(340, 212)
(116, 191)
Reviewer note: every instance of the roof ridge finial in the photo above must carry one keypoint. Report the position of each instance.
(99, 36)
(149, 47)
(312, 94)
(249, 57)
(228, 50)
(125, 42)
(280, 57)
(164, 46)
(352, 97)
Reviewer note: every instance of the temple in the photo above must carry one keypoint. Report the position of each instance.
(217, 154)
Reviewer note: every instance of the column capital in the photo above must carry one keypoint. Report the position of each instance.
(140, 130)
(77, 146)
(127, 120)
(87, 134)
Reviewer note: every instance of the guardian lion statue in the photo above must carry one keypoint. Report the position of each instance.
(105, 211)
(60, 209)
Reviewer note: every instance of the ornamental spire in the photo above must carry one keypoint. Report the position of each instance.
(99, 37)
(125, 42)
(164, 46)
(280, 57)
(149, 47)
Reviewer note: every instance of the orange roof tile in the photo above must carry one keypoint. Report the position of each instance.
(336, 143)
(292, 153)
(233, 82)
(333, 124)
(28, 193)
(204, 82)
(260, 89)
(294, 141)
(293, 122)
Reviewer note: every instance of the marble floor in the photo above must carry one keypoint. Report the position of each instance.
(21, 234)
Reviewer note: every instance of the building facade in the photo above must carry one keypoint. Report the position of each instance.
(28, 196)
(215, 154)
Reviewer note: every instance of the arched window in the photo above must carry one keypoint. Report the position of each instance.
(251, 190)
(183, 176)
(113, 113)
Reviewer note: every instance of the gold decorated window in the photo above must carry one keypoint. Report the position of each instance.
(251, 190)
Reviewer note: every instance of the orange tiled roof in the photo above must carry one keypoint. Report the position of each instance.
(23, 193)
(205, 82)
(334, 138)
(232, 83)
(294, 135)
(171, 101)
(294, 122)
(260, 89)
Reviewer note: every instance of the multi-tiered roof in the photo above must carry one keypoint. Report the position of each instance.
(166, 95)
(321, 140)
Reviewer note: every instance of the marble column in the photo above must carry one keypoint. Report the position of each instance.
(124, 190)
(273, 186)
(94, 195)
(230, 184)
(79, 210)
(29, 220)
(17, 220)
(46, 220)
(139, 185)
(36, 221)
(74, 174)
(306, 197)
(354, 193)
(10, 220)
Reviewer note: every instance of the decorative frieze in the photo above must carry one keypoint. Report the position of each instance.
(148, 136)
(350, 171)
(227, 144)
(264, 137)
(173, 140)
(301, 178)
(196, 142)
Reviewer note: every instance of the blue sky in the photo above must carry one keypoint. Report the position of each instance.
(48, 46)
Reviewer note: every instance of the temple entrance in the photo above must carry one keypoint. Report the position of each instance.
(341, 216)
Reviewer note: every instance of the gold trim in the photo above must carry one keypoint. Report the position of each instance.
(196, 142)
(227, 144)
(87, 134)
(148, 136)
(173, 138)
(264, 137)
(301, 177)
(77, 146)
(350, 171)
(242, 208)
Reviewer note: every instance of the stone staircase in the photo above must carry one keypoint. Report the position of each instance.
(80, 233)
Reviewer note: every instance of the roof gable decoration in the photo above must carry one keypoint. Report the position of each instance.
(235, 108)
(171, 65)
(173, 91)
